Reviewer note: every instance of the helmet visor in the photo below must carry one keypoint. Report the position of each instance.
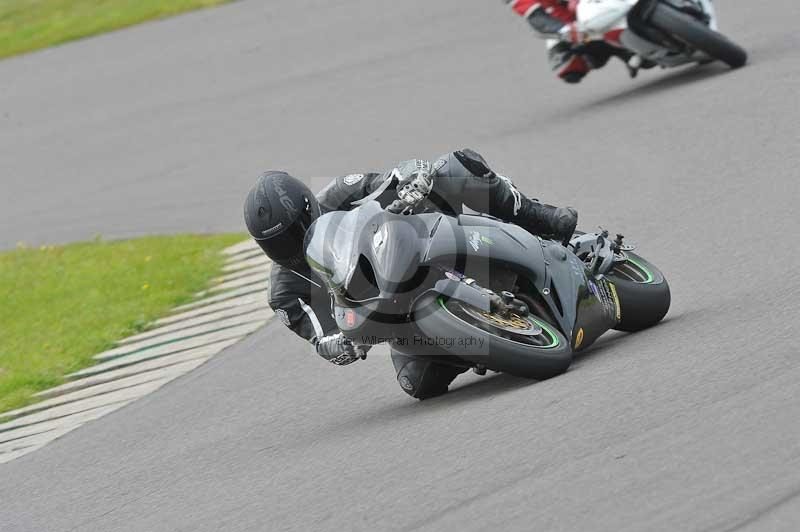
(286, 248)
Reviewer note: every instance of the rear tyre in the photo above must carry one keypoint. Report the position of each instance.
(643, 292)
(698, 35)
(474, 339)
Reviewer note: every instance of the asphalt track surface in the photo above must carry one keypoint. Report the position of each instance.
(692, 425)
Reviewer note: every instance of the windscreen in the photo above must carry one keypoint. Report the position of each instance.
(333, 242)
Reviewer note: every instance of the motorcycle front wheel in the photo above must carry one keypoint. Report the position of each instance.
(525, 346)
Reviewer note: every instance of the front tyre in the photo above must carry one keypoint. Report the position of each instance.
(643, 293)
(697, 35)
(523, 346)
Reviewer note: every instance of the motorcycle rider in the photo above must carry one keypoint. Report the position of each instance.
(568, 55)
(279, 209)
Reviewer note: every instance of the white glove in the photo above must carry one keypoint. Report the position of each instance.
(340, 350)
(415, 180)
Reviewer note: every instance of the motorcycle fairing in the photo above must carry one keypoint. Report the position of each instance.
(575, 301)
(408, 254)
(473, 245)
(602, 16)
(583, 304)
(370, 261)
(598, 310)
(626, 23)
(391, 244)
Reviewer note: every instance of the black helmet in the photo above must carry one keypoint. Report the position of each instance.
(278, 211)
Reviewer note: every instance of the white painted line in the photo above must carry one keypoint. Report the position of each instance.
(244, 245)
(7, 457)
(259, 287)
(237, 283)
(82, 405)
(64, 425)
(258, 260)
(240, 301)
(261, 315)
(245, 255)
(145, 362)
(200, 320)
(184, 345)
(74, 420)
(34, 440)
(263, 269)
(169, 372)
(198, 355)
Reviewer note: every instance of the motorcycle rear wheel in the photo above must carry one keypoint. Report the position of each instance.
(643, 292)
(698, 35)
(535, 356)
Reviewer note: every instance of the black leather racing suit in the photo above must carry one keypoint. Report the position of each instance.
(462, 179)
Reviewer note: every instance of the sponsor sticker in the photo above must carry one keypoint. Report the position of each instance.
(452, 276)
(579, 338)
(283, 196)
(609, 299)
(352, 179)
(350, 318)
(593, 287)
(616, 300)
(439, 164)
(405, 382)
(605, 298)
(475, 240)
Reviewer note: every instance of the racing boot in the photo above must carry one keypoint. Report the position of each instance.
(483, 190)
(547, 220)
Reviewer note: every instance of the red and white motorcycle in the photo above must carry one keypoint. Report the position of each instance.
(663, 32)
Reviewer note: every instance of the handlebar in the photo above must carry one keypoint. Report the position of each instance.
(399, 206)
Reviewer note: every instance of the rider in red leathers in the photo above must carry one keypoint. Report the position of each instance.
(569, 56)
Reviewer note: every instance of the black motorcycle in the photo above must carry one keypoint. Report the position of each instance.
(478, 292)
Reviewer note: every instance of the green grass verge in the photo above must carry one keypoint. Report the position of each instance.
(59, 305)
(27, 25)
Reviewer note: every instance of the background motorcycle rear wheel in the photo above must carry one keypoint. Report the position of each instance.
(540, 356)
(698, 35)
(643, 293)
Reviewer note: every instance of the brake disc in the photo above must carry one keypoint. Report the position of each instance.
(513, 323)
